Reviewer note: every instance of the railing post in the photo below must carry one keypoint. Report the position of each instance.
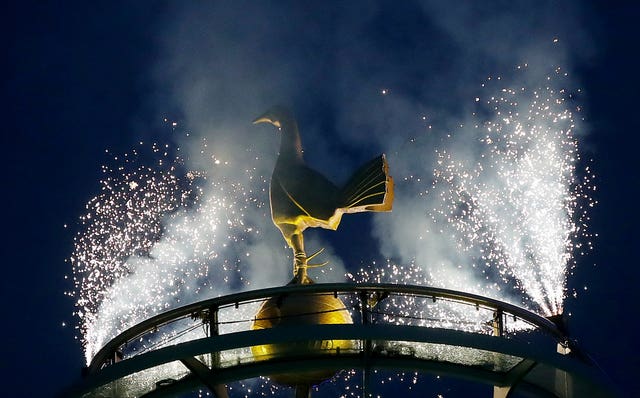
(563, 381)
(366, 343)
(498, 323)
(214, 331)
(498, 331)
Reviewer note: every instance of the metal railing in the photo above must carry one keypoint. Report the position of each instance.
(395, 327)
(366, 301)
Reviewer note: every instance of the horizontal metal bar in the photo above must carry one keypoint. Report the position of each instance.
(339, 332)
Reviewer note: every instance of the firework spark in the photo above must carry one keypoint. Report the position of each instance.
(519, 206)
(157, 237)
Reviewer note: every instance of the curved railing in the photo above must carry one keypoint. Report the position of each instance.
(394, 327)
(502, 309)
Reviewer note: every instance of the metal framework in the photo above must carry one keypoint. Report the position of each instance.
(517, 351)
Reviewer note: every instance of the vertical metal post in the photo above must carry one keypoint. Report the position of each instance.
(563, 382)
(498, 331)
(214, 331)
(218, 390)
(498, 323)
(366, 343)
(303, 391)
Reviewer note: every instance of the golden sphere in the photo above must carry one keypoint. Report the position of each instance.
(301, 309)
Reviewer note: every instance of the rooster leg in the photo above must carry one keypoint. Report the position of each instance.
(299, 256)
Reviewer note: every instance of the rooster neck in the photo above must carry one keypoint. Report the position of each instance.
(290, 143)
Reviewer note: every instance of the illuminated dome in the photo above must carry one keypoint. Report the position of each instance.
(295, 310)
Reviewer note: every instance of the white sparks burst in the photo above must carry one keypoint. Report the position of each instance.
(154, 239)
(519, 205)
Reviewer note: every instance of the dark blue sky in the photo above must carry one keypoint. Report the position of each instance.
(84, 77)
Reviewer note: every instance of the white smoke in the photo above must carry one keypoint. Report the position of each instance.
(221, 64)
(225, 64)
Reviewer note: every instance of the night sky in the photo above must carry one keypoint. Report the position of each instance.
(81, 78)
